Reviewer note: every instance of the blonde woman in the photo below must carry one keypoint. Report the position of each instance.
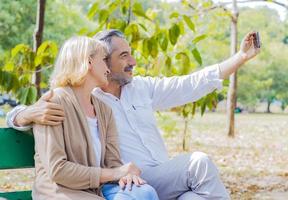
(75, 159)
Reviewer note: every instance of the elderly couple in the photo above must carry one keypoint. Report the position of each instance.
(96, 136)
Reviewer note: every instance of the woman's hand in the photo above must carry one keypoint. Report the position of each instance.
(129, 168)
(130, 179)
(119, 172)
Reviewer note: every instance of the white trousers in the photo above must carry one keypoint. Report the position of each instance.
(186, 177)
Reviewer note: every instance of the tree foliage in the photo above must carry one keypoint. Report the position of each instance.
(16, 74)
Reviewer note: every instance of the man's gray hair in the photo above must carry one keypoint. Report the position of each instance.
(107, 35)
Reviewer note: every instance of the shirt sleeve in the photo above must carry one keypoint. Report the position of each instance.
(179, 90)
(11, 117)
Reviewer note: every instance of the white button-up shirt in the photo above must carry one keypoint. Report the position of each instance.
(139, 138)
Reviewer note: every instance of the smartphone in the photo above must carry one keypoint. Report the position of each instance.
(256, 40)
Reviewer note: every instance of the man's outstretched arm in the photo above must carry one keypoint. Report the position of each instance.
(246, 52)
(175, 91)
(42, 112)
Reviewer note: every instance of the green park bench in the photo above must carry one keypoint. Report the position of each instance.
(16, 151)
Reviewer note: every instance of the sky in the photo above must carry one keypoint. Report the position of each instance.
(281, 11)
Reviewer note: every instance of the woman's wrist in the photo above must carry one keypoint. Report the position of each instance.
(110, 175)
(118, 173)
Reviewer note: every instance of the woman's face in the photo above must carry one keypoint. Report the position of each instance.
(99, 69)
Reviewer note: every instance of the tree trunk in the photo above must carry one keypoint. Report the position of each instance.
(232, 92)
(268, 106)
(129, 12)
(184, 142)
(38, 35)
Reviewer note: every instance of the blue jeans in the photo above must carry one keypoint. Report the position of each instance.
(144, 192)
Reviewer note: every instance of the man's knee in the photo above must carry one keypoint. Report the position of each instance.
(200, 157)
(201, 161)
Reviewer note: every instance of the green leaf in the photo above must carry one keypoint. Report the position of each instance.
(46, 53)
(209, 101)
(162, 41)
(185, 111)
(174, 33)
(197, 56)
(145, 48)
(103, 16)
(9, 66)
(141, 71)
(32, 95)
(226, 82)
(142, 26)
(189, 23)
(24, 79)
(174, 70)
(131, 28)
(9, 81)
(151, 13)
(18, 48)
(93, 10)
(43, 85)
(153, 47)
(16, 85)
(6, 80)
(194, 106)
(182, 27)
(139, 11)
(174, 15)
(119, 24)
(22, 57)
(1, 77)
(185, 62)
(124, 9)
(83, 31)
(168, 63)
(23, 95)
(113, 5)
(199, 38)
(203, 108)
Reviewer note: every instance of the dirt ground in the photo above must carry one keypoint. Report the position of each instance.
(253, 165)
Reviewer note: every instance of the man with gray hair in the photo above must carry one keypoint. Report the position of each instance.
(133, 101)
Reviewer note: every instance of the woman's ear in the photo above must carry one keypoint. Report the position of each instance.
(89, 65)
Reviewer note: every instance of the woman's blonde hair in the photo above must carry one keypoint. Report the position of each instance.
(72, 62)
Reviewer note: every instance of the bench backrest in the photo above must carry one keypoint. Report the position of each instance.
(16, 151)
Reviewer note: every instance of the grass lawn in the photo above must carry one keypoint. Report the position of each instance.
(253, 165)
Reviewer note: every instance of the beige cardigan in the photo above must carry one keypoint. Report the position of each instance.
(64, 155)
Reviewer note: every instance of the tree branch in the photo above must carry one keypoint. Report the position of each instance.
(129, 12)
(216, 6)
(267, 1)
(222, 5)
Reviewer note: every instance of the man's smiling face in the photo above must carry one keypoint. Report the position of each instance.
(121, 62)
